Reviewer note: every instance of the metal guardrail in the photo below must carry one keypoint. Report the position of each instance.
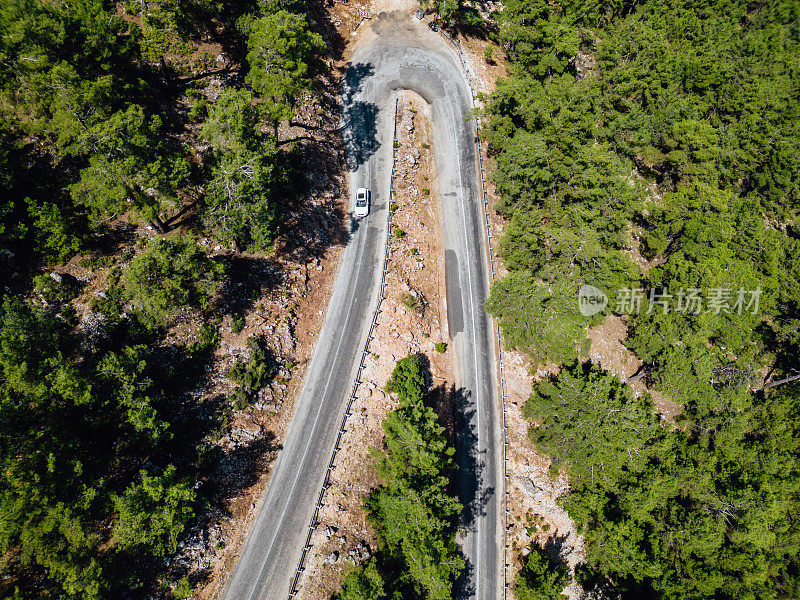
(484, 196)
(295, 588)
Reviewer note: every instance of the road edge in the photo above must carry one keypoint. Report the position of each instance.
(295, 586)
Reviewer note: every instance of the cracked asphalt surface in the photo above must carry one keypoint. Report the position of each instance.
(404, 54)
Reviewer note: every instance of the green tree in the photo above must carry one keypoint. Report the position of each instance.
(232, 126)
(591, 424)
(282, 56)
(59, 64)
(254, 373)
(59, 540)
(677, 514)
(131, 169)
(541, 578)
(413, 512)
(152, 513)
(124, 374)
(407, 381)
(239, 206)
(53, 233)
(78, 108)
(541, 320)
(171, 273)
(364, 584)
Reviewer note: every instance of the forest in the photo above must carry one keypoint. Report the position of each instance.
(105, 128)
(652, 148)
(649, 145)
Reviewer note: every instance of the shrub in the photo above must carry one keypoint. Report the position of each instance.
(411, 302)
(152, 513)
(441, 347)
(171, 274)
(407, 380)
(541, 578)
(53, 232)
(238, 323)
(251, 374)
(110, 303)
(183, 589)
(207, 337)
(55, 289)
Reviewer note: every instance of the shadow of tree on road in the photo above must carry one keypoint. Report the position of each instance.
(457, 415)
(471, 490)
(359, 118)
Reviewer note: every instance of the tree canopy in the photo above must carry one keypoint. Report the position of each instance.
(703, 512)
(413, 511)
(71, 431)
(607, 143)
(651, 149)
(541, 578)
(124, 140)
(92, 135)
(170, 274)
(239, 203)
(283, 58)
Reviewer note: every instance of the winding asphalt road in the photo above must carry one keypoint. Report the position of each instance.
(404, 54)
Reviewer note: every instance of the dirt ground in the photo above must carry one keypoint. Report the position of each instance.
(609, 351)
(412, 320)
